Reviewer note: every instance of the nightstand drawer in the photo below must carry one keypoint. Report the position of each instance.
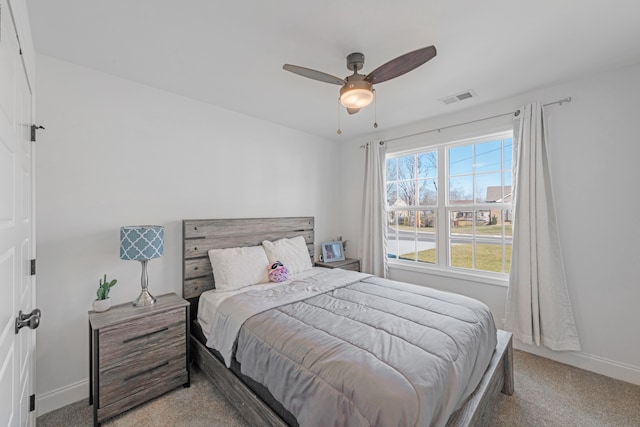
(139, 374)
(137, 337)
(115, 408)
(353, 266)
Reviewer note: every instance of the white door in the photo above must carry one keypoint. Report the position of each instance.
(17, 285)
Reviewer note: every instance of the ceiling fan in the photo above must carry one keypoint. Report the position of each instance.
(357, 89)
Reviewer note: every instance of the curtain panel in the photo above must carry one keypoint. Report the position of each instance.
(373, 233)
(538, 308)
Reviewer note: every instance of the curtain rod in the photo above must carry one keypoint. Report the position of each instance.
(560, 102)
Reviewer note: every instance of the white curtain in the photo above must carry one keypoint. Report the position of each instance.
(538, 306)
(373, 234)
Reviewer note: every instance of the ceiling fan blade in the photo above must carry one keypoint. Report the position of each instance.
(352, 110)
(314, 74)
(401, 65)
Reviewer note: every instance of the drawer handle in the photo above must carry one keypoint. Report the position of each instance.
(166, 328)
(146, 371)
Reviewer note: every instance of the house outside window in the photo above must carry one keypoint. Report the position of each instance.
(449, 206)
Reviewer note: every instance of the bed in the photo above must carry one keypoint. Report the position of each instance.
(267, 405)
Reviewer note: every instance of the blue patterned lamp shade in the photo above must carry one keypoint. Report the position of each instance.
(140, 242)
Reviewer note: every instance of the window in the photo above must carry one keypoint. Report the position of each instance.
(450, 206)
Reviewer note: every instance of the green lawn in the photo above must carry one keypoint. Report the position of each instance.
(484, 230)
(488, 257)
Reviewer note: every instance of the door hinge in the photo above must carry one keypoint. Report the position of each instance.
(34, 128)
(32, 403)
(33, 267)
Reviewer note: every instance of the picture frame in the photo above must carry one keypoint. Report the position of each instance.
(332, 251)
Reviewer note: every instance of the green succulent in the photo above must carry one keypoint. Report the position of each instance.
(105, 287)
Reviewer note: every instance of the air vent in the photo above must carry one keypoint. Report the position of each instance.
(458, 97)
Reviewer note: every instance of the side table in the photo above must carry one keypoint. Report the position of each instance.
(347, 264)
(136, 354)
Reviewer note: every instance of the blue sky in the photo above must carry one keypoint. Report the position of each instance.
(491, 161)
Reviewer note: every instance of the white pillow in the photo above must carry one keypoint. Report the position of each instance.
(235, 268)
(293, 253)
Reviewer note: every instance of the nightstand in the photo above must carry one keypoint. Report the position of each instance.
(136, 354)
(347, 264)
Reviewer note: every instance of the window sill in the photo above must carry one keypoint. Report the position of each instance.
(488, 279)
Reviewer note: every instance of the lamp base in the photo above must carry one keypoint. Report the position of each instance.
(144, 299)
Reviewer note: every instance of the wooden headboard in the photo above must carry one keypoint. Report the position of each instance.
(201, 235)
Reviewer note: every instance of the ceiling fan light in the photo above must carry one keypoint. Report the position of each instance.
(356, 94)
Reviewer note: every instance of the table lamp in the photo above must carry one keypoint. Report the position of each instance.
(142, 243)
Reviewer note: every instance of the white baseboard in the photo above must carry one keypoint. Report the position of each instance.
(589, 362)
(63, 396)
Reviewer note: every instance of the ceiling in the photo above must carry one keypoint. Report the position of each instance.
(230, 53)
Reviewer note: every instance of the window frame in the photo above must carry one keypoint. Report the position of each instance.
(443, 208)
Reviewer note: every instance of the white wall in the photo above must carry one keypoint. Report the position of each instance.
(594, 150)
(118, 153)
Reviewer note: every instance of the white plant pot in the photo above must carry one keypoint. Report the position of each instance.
(102, 304)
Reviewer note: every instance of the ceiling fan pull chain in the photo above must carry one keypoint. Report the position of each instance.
(339, 130)
(375, 109)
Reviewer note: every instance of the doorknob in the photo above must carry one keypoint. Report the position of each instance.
(32, 320)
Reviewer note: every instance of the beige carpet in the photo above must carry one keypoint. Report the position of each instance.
(547, 393)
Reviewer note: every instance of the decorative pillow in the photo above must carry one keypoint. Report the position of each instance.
(278, 272)
(235, 268)
(291, 252)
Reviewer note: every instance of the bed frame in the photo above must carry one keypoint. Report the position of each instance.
(199, 236)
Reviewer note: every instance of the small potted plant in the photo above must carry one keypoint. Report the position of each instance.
(103, 302)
